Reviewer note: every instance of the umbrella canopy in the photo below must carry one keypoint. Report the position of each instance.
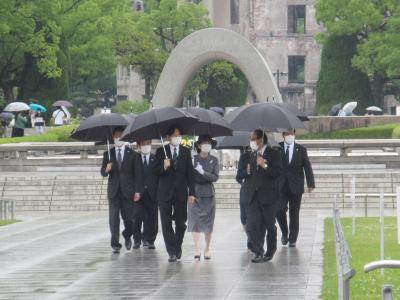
(374, 108)
(210, 122)
(155, 123)
(264, 116)
(6, 116)
(349, 107)
(17, 106)
(37, 107)
(335, 109)
(218, 110)
(99, 128)
(63, 103)
(238, 140)
(293, 109)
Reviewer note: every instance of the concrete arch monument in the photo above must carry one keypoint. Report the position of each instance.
(205, 46)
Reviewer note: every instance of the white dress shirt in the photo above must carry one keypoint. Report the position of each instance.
(172, 147)
(146, 158)
(291, 149)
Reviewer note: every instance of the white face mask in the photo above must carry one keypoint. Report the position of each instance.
(145, 149)
(253, 145)
(118, 142)
(205, 148)
(289, 139)
(176, 140)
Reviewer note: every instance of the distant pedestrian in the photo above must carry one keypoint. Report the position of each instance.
(20, 123)
(58, 117)
(38, 122)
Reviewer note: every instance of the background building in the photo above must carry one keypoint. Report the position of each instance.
(282, 30)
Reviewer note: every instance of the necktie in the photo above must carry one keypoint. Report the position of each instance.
(145, 163)
(119, 158)
(175, 157)
(287, 154)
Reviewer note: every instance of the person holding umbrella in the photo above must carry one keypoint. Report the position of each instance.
(201, 211)
(146, 210)
(20, 123)
(174, 167)
(296, 163)
(38, 122)
(265, 171)
(122, 167)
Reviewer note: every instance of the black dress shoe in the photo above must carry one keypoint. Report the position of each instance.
(172, 258)
(136, 245)
(116, 250)
(151, 246)
(179, 254)
(258, 258)
(292, 244)
(269, 255)
(284, 240)
(128, 244)
(145, 243)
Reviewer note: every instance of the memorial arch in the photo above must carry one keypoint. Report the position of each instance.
(205, 46)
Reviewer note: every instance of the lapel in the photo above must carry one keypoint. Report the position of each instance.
(127, 152)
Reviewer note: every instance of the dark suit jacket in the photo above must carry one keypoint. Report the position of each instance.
(293, 173)
(265, 182)
(150, 180)
(179, 180)
(242, 176)
(128, 179)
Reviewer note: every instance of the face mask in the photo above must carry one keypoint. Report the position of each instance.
(145, 149)
(289, 139)
(118, 142)
(253, 145)
(205, 148)
(176, 140)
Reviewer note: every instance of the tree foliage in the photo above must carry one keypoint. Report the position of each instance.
(339, 81)
(376, 24)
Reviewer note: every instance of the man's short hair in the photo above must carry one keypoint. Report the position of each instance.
(118, 129)
(261, 134)
(172, 128)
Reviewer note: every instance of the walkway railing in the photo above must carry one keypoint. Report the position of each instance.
(343, 256)
(383, 264)
(7, 209)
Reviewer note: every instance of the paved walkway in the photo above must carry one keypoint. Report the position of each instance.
(66, 256)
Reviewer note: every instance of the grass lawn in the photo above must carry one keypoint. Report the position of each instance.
(6, 222)
(364, 247)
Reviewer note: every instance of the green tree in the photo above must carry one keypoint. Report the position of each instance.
(376, 24)
(338, 81)
(128, 107)
(156, 32)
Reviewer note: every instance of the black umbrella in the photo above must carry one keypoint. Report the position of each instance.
(154, 124)
(63, 103)
(335, 109)
(265, 116)
(293, 109)
(239, 140)
(99, 128)
(6, 116)
(210, 122)
(218, 110)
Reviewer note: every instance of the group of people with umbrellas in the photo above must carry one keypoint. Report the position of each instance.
(15, 116)
(179, 183)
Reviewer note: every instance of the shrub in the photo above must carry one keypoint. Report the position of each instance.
(396, 133)
(371, 132)
(58, 134)
(127, 107)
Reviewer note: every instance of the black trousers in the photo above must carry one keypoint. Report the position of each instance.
(173, 209)
(294, 202)
(260, 220)
(146, 214)
(124, 206)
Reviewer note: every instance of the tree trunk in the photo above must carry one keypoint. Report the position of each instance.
(8, 93)
(377, 85)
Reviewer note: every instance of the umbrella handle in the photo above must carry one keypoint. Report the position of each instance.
(108, 148)
(165, 151)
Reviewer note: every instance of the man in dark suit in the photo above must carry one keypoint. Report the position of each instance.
(242, 177)
(146, 210)
(296, 163)
(124, 188)
(265, 171)
(175, 189)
